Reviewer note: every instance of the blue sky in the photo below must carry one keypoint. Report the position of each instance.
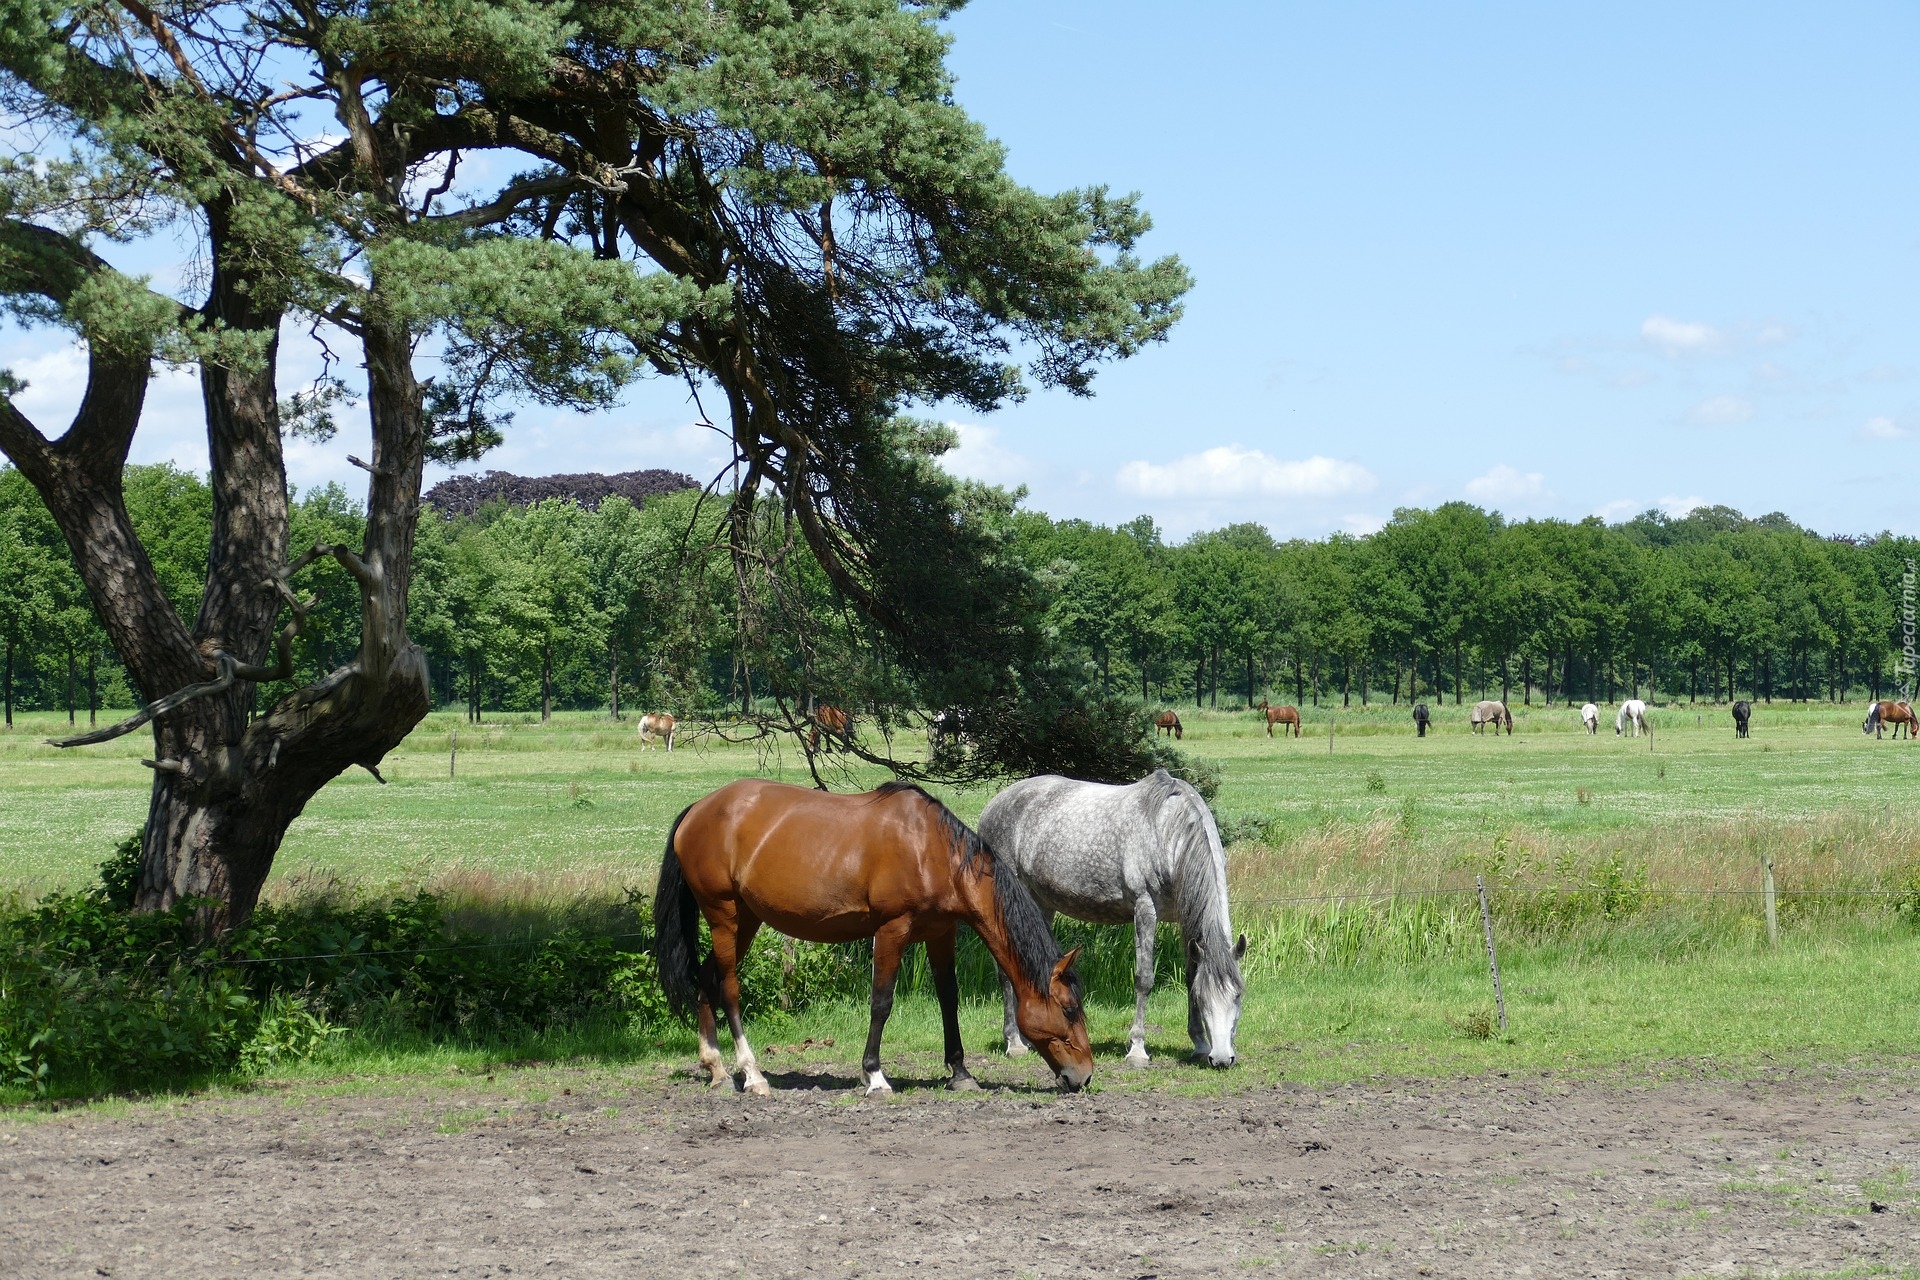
(1558, 260)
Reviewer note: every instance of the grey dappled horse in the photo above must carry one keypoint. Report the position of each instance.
(1632, 712)
(1142, 853)
(1590, 717)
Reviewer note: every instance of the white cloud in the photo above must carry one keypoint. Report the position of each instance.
(1619, 509)
(1678, 507)
(1773, 335)
(1361, 524)
(981, 456)
(1721, 411)
(1678, 337)
(1231, 470)
(1505, 484)
(1883, 428)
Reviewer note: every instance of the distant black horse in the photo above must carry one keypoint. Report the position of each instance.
(1422, 718)
(1742, 712)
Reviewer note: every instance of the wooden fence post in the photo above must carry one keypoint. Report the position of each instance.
(1773, 916)
(453, 750)
(1493, 959)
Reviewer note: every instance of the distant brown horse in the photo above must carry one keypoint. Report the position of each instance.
(893, 865)
(1282, 716)
(1897, 714)
(1168, 722)
(656, 724)
(836, 722)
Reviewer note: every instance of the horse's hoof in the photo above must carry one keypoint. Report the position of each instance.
(720, 1080)
(876, 1084)
(964, 1084)
(1017, 1050)
(1136, 1059)
(758, 1088)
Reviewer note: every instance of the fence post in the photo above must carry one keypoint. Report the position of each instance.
(453, 750)
(1493, 959)
(1329, 733)
(1773, 916)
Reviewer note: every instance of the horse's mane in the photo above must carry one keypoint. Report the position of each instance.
(1020, 918)
(1200, 869)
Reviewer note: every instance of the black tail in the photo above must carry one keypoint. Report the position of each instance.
(676, 931)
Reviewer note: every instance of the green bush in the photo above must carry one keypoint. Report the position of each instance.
(93, 996)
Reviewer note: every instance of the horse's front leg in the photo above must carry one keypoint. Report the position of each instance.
(1146, 927)
(946, 984)
(1196, 1025)
(889, 945)
(1015, 1042)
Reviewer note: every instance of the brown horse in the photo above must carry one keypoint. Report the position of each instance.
(1281, 716)
(1881, 714)
(1168, 722)
(836, 722)
(893, 865)
(656, 724)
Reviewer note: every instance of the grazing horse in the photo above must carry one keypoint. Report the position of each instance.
(1168, 722)
(1897, 714)
(1590, 717)
(1491, 713)
(1632, 711)
(836, 722)
(1142, 853)
(944, 732)
(1282, 716)
(657, 724)
(1742, 713)
(893, 865)
(1421, 719)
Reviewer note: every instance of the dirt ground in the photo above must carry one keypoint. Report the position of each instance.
(639, 1172)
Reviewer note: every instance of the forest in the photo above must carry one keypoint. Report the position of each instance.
(553, 606)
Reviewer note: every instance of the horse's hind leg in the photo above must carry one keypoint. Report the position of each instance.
(889, 945)
(946, 984)
(1146, 927)
(729, 945)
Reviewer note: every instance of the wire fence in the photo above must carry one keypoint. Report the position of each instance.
(1370, 896)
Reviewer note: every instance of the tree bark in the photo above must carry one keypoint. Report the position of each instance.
(9, 682)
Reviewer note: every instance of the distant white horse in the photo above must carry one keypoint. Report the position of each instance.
(1146, 853)
(656, 724)
(1590, 717)
(1635, 711)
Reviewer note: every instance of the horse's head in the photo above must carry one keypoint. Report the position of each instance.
(1260, 705)
(1055, 1024)
(1873, 715)
(1215, 992)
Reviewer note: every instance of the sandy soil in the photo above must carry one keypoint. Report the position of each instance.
(554, 1172)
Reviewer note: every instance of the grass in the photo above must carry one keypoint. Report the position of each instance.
(1651, 953)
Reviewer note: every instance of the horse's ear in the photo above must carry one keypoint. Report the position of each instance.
(1240, 947)
(1065, 963)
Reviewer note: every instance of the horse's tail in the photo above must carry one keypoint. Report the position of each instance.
(676, 930)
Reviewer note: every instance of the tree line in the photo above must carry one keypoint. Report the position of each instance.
(551, 605)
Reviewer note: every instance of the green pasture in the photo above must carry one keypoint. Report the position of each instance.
(1338, 989)
(579, 798)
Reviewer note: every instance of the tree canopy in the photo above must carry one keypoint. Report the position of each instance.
(780, 204)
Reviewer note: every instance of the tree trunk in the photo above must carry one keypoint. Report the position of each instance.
(613, 677)
(546, 682)
(93, 689)
(1526, 678)
(69, 682)
(9, 682)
